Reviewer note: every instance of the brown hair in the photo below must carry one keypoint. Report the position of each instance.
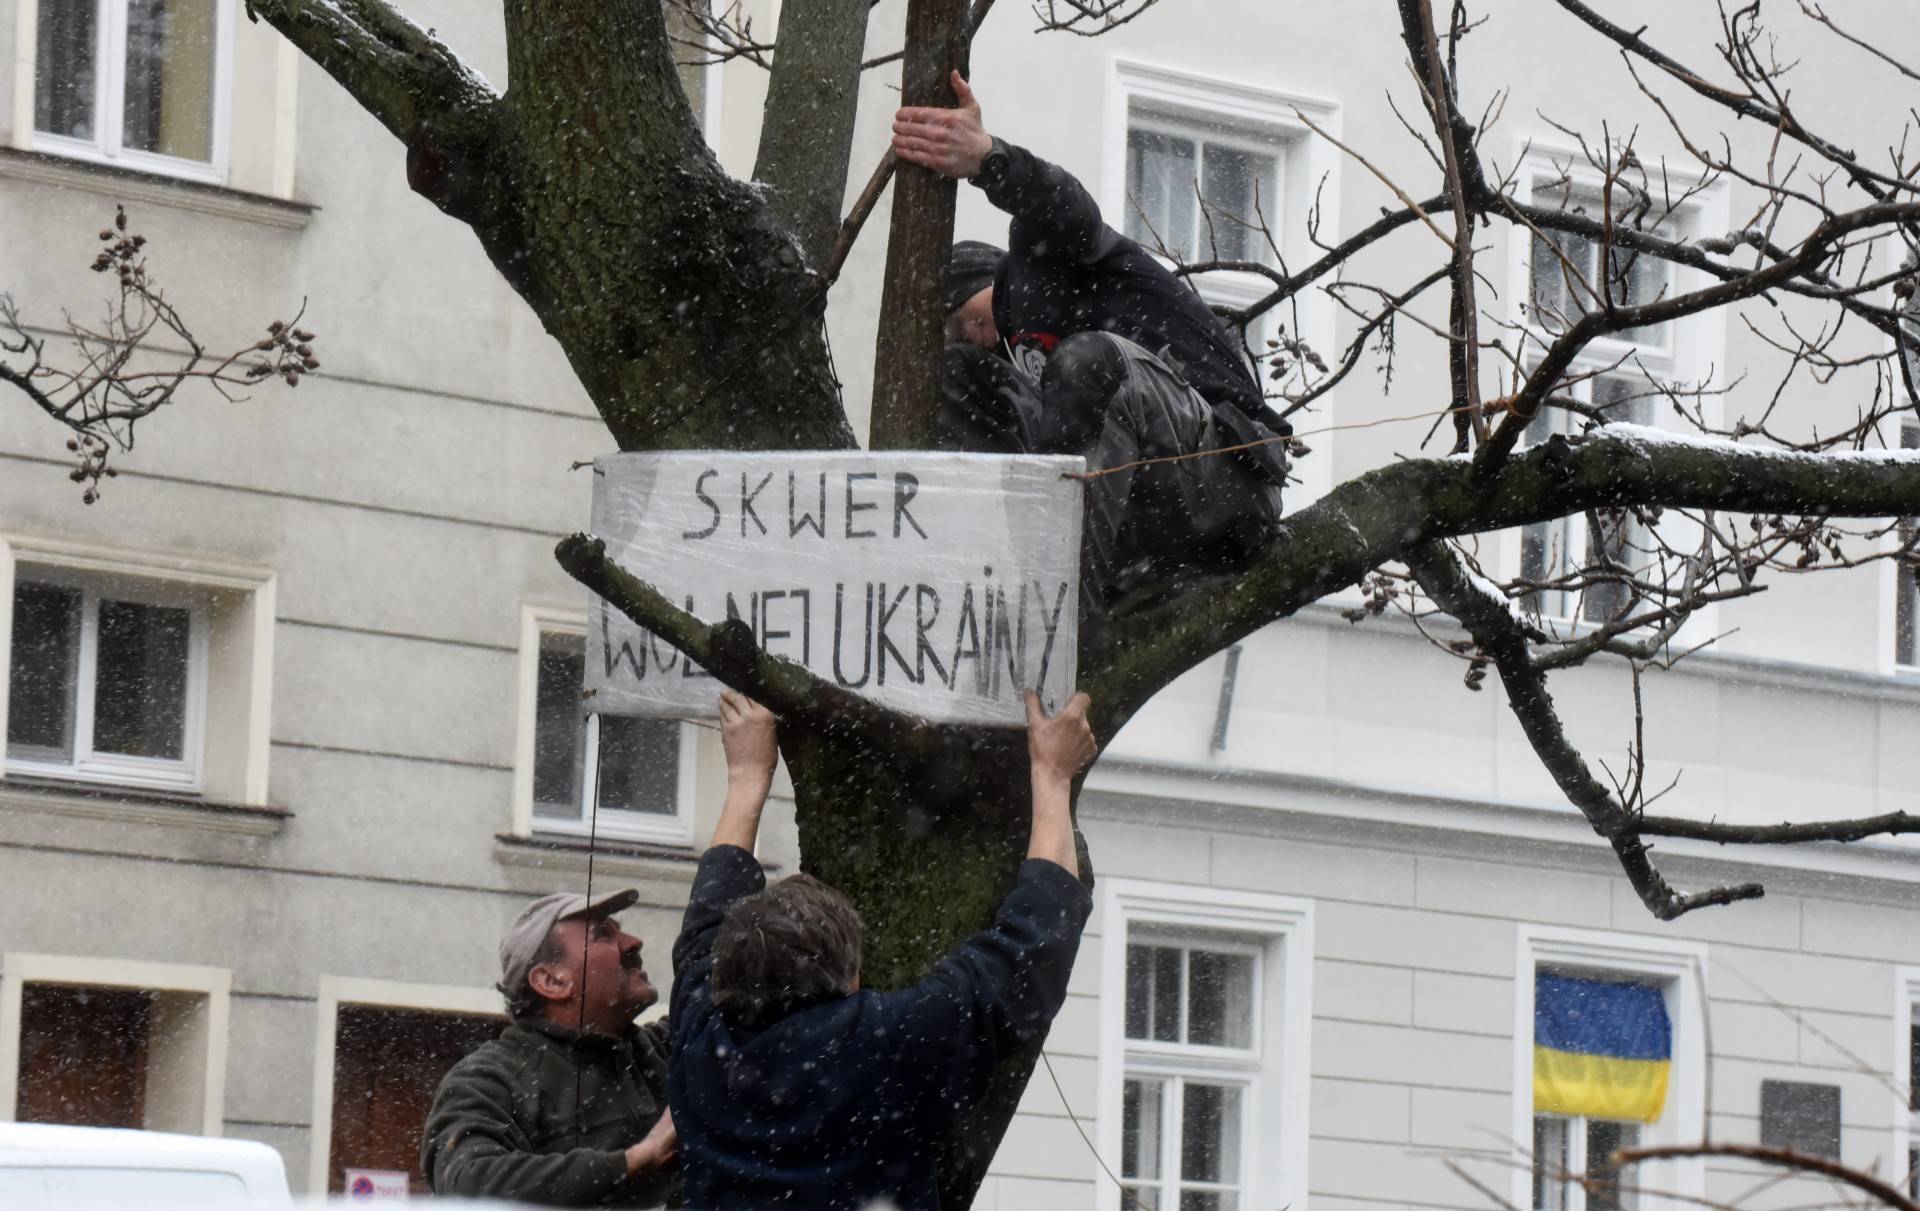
(796, 943)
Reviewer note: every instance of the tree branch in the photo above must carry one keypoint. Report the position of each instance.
(727, 650)
(1873, 184)
(1886, 824)
(1812, 252)
(399, 73)
(806, 134)
(1379, 516)
(1504, 639)
(1784, 1157)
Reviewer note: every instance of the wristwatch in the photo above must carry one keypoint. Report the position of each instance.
(993, 166)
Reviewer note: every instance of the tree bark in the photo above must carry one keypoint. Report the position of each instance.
(806, 135)
(906, 369)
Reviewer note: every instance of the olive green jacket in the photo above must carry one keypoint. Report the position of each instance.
(544, 1114)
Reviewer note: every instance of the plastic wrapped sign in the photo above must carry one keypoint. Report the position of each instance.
(944, 585)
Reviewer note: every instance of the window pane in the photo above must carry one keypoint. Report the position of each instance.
(168, 107)
(559, 728)
(46, 662)
(1549, 1163)
(639, 764)
(1554, 290)
(1238, 188)
(1604, 1190)
(1153, 993)
(63, 82)
(1219, 999)
(1208, 1200)
(140, 682)
(1210, 1134)
(1160, 201)
(83, 1055)
(1143, 1106)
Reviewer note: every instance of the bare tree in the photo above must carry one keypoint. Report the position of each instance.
(690, 305)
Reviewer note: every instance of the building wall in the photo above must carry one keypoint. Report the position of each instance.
(405, 503)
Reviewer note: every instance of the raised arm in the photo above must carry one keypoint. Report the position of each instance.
(1054, 217)
(1057, 750)
(728, 869)
(746, 733)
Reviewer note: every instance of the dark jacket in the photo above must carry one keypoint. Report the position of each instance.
(848, 1100)
(1067, 272)
(504, 1122)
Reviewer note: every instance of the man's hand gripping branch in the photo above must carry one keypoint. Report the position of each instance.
(952, 142)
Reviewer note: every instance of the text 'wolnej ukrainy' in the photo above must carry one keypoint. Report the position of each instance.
(941, 584)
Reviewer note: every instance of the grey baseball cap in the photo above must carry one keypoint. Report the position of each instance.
(521, 945)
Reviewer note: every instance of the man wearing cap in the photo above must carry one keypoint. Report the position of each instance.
(1076, 340)
(568, 1107)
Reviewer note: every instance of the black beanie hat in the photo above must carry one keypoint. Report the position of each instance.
(971, 271)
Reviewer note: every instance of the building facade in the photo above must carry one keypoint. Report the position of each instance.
(290, 723)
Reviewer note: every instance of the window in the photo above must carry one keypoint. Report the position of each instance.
(1906, 653)
(1202, 193)
(1201, 165)
(140, 82)
(1609, 1054)
(387, 1063)
(109, 1043)
(380, 1053)
(1606, 541)
(141, 669)
(1191, 1058)
(1204, 1047)
(612, 775)
(1906, 1080)
(106, 678)
(1566, 275)
(1557, 278)
(1602, 1053)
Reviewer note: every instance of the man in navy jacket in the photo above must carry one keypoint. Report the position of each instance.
(791, 1085)
(1076, 340)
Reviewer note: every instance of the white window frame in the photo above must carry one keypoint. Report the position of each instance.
(227, 762)
(109, 92)
(1274, 1118)
(1309, 169)
(1695, 349)
(1906, 1121)
(87, 764)
(675, 829)
(336, 991)
(197, 1112)
(1680, 968)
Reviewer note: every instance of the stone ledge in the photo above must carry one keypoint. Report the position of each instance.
(132, 805)
(134, 185)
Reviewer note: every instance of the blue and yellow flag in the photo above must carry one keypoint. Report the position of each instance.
(1600, 1048)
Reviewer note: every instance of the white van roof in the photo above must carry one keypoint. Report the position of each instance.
(47, 1146)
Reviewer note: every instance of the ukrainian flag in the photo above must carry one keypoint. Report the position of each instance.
(1600, 1048)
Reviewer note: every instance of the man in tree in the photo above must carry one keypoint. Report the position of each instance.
(796, 1087)
(1079, 341)
(568, 1107)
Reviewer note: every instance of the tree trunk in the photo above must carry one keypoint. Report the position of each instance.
(906, 369)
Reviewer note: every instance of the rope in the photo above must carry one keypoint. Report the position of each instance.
(1130, 1198)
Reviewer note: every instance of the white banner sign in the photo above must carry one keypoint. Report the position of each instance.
(943, 585)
